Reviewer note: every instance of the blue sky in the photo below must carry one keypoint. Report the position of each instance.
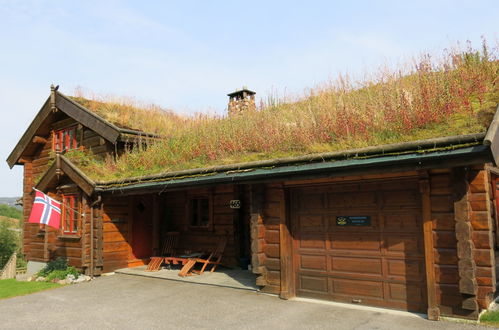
(187, 55)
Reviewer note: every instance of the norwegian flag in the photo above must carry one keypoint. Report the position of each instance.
(45, 210)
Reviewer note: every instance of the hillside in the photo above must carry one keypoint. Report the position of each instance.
(455, 95)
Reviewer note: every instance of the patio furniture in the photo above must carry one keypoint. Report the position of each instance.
(168, 251)
(213, 259)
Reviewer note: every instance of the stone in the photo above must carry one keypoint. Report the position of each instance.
(62, 282)
(40, 279)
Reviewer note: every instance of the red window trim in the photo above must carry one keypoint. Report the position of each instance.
(73, 199)
(64, 134)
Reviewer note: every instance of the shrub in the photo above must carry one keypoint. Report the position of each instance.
(57, 264)
(61, 274)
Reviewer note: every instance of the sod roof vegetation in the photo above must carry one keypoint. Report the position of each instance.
(456, 94)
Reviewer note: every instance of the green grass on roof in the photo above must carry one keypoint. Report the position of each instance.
(453, 96)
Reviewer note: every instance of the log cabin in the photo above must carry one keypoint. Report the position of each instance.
(408, 226)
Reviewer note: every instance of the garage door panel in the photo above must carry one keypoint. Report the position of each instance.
(356, 266)
(410, 293)
(311, 223)
(312, 241)
(357, 288)
(405, 270)
(313, 283)
(402, 245)
(401, 199)
(355, 242)
(311, 201)
(344, 199)
(401, 222)
(313, 262)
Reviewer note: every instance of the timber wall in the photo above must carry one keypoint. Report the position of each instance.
(39, 246)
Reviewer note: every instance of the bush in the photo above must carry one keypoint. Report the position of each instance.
(8, 242)
(57, 264)
(61, 274)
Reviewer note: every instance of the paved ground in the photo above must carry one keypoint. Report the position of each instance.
(223, 277)
(132, 302)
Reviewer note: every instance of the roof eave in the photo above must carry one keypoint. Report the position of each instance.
(391, 163)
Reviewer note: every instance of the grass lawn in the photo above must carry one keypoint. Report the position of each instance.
(11, 287)
(491, 318)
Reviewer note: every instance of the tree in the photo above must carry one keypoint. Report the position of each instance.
(9, 240)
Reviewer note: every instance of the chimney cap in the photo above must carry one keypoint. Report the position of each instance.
(241, 92)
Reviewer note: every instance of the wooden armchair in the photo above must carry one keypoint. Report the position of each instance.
(213, 259)
(168, 250)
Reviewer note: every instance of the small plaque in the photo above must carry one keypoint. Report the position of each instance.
(235, 204)
(348, 220)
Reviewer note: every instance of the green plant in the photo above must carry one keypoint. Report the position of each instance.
(11, 287)
(10, 212)
(57, 264)
(490, 317)
(9, 242)
(61, 274)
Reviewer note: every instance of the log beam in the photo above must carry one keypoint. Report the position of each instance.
(39, 140)
(424, 186)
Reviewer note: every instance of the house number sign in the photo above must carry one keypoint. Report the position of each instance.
(348, 220)
(235, 204)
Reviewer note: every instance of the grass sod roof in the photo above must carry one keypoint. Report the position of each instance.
(456, 96)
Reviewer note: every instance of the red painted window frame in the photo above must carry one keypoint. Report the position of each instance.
(74, 211)
(62, 140)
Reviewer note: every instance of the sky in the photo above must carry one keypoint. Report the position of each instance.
(187, 55)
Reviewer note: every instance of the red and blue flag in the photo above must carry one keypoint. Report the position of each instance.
(45, 210)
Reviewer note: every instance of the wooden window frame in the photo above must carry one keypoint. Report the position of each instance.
(75, 214)
(190, 198)
(61, 139)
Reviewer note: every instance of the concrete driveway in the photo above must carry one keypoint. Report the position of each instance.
(129, 302)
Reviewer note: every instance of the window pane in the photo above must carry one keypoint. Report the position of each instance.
(205, 212)
(67, 214)
(75, 214)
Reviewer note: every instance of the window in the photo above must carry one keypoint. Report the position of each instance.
(64, 139)
(199, 212)
(70, 211)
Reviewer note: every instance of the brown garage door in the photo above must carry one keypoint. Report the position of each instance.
(360, 242)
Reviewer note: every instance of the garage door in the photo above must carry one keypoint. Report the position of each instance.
(360, 242)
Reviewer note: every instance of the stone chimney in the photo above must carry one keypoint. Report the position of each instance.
(241, 101)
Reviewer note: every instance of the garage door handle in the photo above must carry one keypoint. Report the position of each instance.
(356, 301)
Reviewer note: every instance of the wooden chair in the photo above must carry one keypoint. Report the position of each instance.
(168, 250)
(213, 259)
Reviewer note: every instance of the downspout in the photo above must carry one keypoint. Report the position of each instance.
(97, 201)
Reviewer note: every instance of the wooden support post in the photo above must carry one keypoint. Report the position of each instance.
(468, 285)
(424, 186)
(286, 251)
(155, 225)
(257, 198)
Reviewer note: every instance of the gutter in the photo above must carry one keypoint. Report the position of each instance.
(414, 146)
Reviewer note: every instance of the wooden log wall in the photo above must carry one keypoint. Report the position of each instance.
(265, 227)
(114, 233)
(481, 217)
(463, 240)
(43, 247)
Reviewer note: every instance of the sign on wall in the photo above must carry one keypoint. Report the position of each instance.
(235, 204)
(348, 220)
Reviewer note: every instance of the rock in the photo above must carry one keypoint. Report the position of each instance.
(80, 279)
(70, 277)
(63, 282)
(40, 279)
(29, 279)
(87, 278)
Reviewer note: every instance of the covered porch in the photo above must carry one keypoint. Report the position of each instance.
(223, 277)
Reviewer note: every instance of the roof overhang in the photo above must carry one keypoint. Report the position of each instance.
(64, 167)
(59, 102)
(465, 156)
